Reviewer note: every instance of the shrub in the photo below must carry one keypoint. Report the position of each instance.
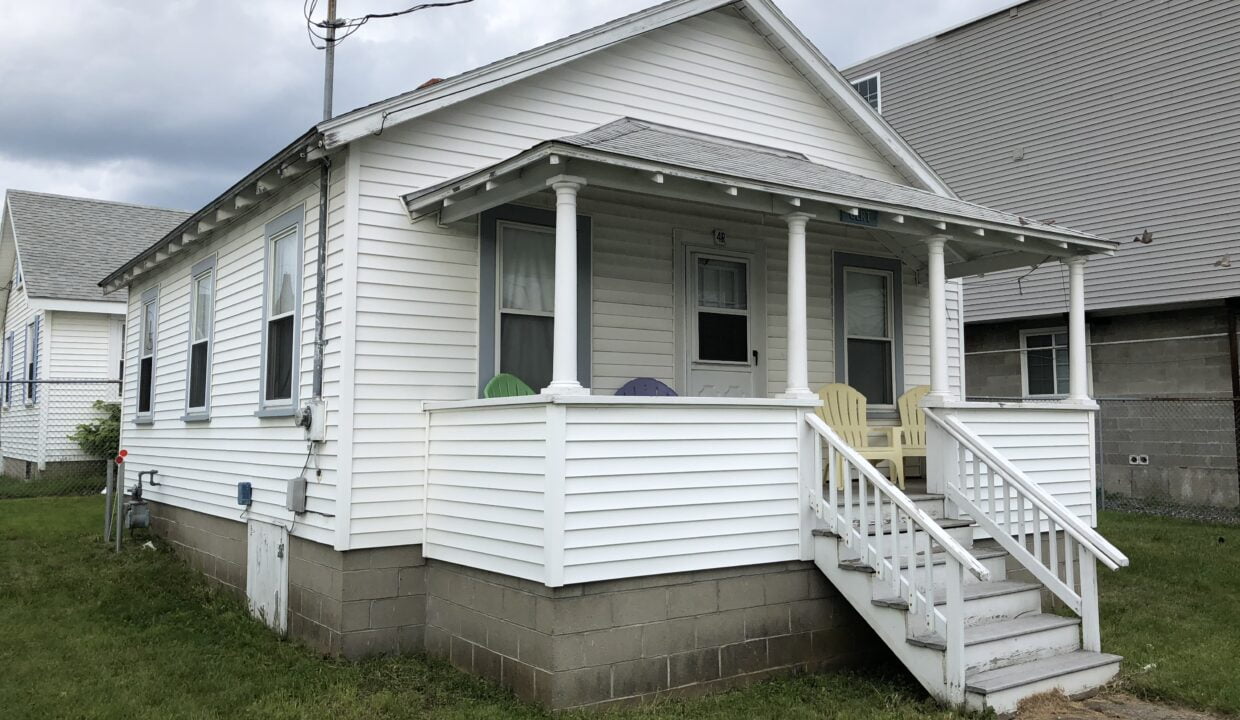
(102, 437)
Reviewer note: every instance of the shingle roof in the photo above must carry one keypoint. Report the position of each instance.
(692, 150)
(66, 244)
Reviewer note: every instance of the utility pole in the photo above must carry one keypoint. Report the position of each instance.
(329, 68)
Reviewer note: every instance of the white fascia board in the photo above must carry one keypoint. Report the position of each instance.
(836, 89)
(373, 119)
(103, 307)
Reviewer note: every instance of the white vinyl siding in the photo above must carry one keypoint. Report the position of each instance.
(200, 464)
(20, 427)
(78, 348)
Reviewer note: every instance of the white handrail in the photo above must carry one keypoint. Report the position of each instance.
(1086, 536)
(900, 500)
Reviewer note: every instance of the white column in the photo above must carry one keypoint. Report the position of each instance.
(564, 351)
(938, 318)
(1078, 369)
(798, 322)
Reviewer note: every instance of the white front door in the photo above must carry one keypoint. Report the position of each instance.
(266, 576)
(722, 343)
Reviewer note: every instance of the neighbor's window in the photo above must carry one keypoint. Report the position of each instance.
(869, 333)
(867, 88)
(526, 302)
(283, 283)
(1046, 362)
(8, 369)
(146, 351)
(32, 359)
(201, 318)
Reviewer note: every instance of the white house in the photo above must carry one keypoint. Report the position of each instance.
(692, 194)
(62, 342)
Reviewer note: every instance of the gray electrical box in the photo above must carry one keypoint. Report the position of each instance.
(295, 498)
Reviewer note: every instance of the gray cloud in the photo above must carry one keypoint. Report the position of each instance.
(170, 102)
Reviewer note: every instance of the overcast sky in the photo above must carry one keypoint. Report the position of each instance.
(168, 102)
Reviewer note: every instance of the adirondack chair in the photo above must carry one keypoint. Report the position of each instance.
(505, 385)
(646, 387)
(843, 409)
(913, 422)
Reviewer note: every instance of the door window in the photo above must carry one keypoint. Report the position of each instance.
(721, 311)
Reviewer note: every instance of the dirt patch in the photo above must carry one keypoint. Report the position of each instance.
(1109, 706)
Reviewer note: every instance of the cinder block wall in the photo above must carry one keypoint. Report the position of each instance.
(618, 642)
(213, 546)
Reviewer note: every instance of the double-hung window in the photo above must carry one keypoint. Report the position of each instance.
(8, 369)
(201, 320)
(282, 300)
(1045, 362)
(868, 324)
(33, 333)
(148, 336)
(526, 302)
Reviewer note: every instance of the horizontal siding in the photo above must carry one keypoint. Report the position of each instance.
(1054, 448)
(21, 424)
(201, 463)
(1144, 139)
(485, 507)
(668, 489)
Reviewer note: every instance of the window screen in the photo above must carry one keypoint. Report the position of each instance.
(283, 282)
(526, 303)
(722, 296)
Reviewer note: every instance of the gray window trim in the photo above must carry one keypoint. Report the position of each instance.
(10, 340)
(841, 261)
(293, 218)
(150, 295)
(488, 286)
(200, 414)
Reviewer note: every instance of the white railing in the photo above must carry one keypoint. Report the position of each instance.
(908, 568)
(1016, 511)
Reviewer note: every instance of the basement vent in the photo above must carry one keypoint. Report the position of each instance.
(869, 218)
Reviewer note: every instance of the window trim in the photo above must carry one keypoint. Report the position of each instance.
(1024, 361)
(877, 77)
(203, 413)
(694, 340)
(841, 261)
(32, 358)
(489, 280)
(10, 340)
(149, 297)
(295, 219)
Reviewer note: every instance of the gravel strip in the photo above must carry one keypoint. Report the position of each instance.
(1199, 513)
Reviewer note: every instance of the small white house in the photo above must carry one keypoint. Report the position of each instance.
(691, 194)
(62, 342)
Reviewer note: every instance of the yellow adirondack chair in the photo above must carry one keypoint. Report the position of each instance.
(843, 409)
(913, 423)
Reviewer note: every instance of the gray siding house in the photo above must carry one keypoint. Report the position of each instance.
(1117, 117)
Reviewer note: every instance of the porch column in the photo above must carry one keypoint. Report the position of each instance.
(798, 322)
(1078, 369)
(564, 340)
(939, 387)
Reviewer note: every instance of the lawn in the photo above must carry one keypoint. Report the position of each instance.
(84, 633)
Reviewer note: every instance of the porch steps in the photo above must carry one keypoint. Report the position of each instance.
(1012, 649)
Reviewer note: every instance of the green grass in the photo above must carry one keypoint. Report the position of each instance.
(1174, 614)
(85, 633)
(11, 487)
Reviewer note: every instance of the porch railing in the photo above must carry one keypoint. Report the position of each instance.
(1014, 510)
(908, 568)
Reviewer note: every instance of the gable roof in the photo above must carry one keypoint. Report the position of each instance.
(64, 244)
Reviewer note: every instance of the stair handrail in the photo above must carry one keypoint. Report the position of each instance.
(926, 523)
(1084, 535)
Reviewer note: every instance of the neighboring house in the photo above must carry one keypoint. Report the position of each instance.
(63, 338)
(692, 194)
(1118, 118)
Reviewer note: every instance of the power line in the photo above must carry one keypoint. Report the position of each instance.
(345, 27)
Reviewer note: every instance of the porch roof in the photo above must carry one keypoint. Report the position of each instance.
(644, 157)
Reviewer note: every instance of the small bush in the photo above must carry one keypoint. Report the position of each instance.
(102, 437)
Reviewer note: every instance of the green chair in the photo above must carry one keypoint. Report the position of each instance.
(505, 385)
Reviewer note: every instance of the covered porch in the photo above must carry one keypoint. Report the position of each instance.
(743, 278)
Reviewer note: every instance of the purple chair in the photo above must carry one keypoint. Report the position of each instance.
(646, 387)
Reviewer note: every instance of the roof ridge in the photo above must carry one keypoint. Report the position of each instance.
(77, 198)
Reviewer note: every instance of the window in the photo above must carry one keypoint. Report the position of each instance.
(147, 340)
(721, 312)
(868, 324)
(1045, 356)
(31, 393)
(517, 304)
(282, 300)
(526, 302)
(867, 88)
(201, 319)
(8, 369)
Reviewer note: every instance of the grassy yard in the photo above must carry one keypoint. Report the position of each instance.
(84, 633)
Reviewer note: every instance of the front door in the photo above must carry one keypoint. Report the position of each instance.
(723, 359)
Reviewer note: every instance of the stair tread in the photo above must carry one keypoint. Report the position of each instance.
(946, 524)
(972, 591)
(911, 496)
(938, 558)
(1026, 673)
(1001, 630)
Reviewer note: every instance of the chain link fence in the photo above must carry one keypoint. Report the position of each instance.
(55, 436)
